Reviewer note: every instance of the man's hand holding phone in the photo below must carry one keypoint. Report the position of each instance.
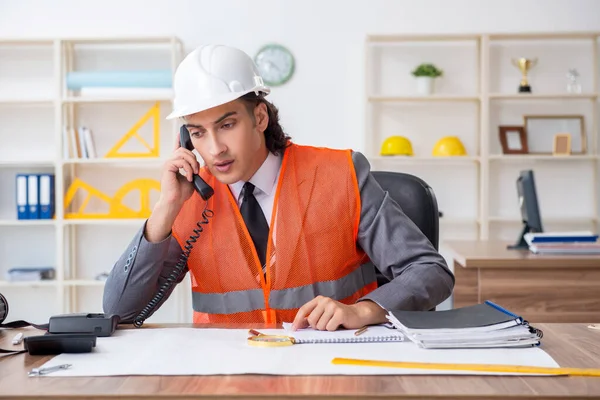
(175, 190)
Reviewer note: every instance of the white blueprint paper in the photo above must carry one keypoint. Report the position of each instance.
(191, 351)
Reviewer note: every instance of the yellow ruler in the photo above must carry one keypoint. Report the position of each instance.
(470, 367)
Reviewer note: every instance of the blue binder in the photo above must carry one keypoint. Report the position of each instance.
(21, 196)
(33, 188)
(46, 196)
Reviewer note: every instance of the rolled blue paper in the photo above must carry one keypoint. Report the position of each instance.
(134, 79)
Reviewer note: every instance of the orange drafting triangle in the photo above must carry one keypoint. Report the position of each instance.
(153, 151)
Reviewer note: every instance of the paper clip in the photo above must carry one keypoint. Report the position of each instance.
(18, 338)
(48, 370)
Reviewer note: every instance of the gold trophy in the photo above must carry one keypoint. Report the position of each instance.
(524, 64)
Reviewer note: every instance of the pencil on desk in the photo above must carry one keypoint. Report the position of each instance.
(360, 331)
(522, 369)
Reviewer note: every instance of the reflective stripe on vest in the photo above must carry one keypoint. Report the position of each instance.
(250, 300)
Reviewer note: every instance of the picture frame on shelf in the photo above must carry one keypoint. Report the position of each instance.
(562, 144)
(542, 129)
(513, 139)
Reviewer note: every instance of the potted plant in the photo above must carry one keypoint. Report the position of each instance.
(425, 75)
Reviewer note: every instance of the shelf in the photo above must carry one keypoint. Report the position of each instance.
(420, 38)
(550, 220)
(431, 98)
(83, 282)
(489, 102)
(138, 161)
(27, 163)
(458, 220)
(25, 101)
(7, 41)
(27, 222)
(426, 160)
(48, 283)
(541, 157)
(116, 99)
(105, 221)
(123, 39)
(113, 109)
(543, 96)
(544, 35)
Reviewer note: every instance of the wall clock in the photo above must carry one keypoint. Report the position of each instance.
(275, 64)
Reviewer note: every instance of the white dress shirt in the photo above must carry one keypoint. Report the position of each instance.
(265, 181)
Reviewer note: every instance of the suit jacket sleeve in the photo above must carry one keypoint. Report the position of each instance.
(138, 274)
(419, 276)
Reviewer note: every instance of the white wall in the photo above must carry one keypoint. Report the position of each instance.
(323, 103)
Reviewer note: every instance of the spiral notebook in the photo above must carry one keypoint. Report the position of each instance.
(375, 333)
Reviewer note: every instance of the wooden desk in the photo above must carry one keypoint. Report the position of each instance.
(571, 345)
(541, 288)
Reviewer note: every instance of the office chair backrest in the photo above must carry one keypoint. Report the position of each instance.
(417, 200)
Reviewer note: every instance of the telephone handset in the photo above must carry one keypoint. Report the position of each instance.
(200, 185)
(205, 191)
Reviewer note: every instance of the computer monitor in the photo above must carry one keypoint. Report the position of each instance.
(530, 210)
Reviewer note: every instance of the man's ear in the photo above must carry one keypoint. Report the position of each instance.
(261, 116)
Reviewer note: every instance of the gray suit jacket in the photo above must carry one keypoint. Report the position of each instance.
(420, 278)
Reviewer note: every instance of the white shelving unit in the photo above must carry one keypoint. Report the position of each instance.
(35, 107)
(478, 93)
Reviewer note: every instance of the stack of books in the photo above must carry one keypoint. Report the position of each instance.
(485, 325)
(563, 243)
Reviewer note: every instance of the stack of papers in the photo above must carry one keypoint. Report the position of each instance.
(563, 243)
(484, 325)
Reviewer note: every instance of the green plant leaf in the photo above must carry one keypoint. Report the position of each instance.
(427, 69)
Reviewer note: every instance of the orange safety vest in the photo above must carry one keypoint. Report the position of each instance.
(312, 248)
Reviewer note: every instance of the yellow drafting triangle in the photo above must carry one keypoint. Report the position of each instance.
(116, 207)
(153, 151)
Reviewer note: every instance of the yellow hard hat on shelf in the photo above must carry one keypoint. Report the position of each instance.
(396, 146)
(449, 146)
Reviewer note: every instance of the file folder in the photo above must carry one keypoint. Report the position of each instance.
(46, 196)
(21, 195)
(485, 325)
(33, 196)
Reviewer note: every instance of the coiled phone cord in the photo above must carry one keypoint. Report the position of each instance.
(177, 271)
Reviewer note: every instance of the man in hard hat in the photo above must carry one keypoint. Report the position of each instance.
(288, 230)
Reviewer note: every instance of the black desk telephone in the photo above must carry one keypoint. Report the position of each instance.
(71, 333)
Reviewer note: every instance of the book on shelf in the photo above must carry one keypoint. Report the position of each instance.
(78, 143)
(485, 325)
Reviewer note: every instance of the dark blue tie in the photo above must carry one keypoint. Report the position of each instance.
(255, 222)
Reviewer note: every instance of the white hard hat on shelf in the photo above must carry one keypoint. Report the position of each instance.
(212, 75)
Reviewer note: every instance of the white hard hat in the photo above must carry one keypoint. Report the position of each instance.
(212, 75)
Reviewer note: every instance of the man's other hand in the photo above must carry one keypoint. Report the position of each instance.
(323, 313)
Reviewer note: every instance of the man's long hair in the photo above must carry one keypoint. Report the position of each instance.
(276, 139)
